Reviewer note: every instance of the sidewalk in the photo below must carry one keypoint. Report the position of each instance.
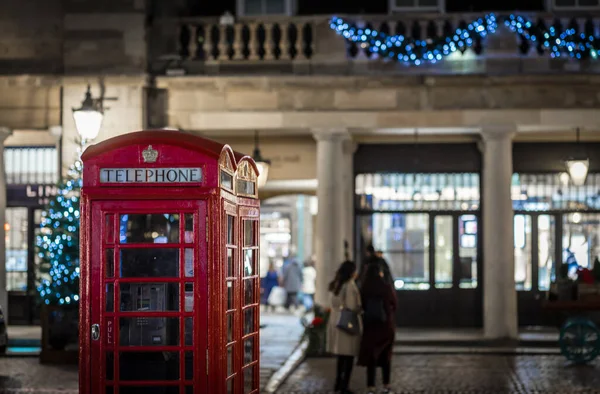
(278, 339)
(22, 373)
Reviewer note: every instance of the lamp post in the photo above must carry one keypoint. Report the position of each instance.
(578, 167)
(88, 118)
(262, 163)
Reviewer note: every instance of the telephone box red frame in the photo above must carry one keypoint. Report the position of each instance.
(224, 354)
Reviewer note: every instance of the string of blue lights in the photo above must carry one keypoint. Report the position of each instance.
(407, 50)
(58, 243)
(433, 49)
(568, 42)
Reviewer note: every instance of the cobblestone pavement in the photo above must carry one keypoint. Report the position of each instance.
(20, 375)
(458, 374)
(26, 375)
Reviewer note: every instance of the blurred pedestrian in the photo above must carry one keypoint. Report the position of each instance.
(291, 281)
(343, 294)
(379, 302)
(270, 281)
(309, 278)
(371, 257)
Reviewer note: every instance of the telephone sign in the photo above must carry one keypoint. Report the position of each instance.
(169, 260)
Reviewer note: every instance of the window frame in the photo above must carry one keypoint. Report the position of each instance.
(551, 6)
(290, 9)
(441, 6)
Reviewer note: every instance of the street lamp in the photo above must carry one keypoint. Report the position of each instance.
(578, 167)
(262, 163)
(88, 118)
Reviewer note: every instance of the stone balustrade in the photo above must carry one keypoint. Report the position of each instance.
(309, 45)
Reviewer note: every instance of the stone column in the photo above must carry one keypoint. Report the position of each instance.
(499, 294)
(4, 134)
(330, 232)
(348, 149)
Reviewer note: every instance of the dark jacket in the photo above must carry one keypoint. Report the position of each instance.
(378, 337)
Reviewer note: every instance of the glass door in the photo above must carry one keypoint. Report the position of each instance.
(149, 302)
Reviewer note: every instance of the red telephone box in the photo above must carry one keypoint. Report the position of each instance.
(169, 267)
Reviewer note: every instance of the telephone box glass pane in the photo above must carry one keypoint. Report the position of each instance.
(249, 291)
(249, 262)
(149, 297)
(149, 390)
(230, 360)
(230, 223)
(189, 389)
(189, 365)
(189, 331)
(249, 380)
(230, 328)
(249, 233)
(189, 297)
(148, 366)
(109, 390)
(189, 262)
(110, 366)
(230, 295)
(189, 228)
(230, 272)
(249, 321)
(145, 263)
(230, 385)
(226, 180)
(109, 263)
(248, 350)
(110, 297)
(149, 228)
(149, 331)
(109, 229)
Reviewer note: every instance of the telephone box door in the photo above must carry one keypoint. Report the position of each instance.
(148, 292)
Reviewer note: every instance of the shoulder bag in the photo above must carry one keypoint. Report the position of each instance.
(348, 321)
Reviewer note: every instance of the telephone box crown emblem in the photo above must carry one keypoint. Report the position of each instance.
(150, 155)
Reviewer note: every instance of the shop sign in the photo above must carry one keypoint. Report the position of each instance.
(151, 175)
(30, 194)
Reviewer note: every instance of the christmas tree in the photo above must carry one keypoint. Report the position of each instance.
(58, 243)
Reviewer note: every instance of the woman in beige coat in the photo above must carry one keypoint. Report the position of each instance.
(343, 294)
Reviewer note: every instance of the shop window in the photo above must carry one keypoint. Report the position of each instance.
(31, 165)
(417, 192)
(404, 241)
(522, 238)
(581, 239)
(444, 252)
(545, 192)
(467, 251)
(546, 251)
(16, 249)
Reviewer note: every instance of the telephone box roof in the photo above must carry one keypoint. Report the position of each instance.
(170, 137)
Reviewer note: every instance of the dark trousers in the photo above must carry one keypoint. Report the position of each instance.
(343, 372)
(385, 363)
(292, 299)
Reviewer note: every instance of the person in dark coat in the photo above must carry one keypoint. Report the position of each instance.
(372, 257)
(378, 335)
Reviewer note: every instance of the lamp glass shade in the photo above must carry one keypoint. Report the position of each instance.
(263, 172)
(578, 170)
(88, 123)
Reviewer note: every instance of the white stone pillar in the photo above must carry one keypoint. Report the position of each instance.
(499, 294)
(4, 134)
(348, 149)
(330, 232)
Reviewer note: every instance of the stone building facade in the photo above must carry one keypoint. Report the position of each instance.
(328, 119)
